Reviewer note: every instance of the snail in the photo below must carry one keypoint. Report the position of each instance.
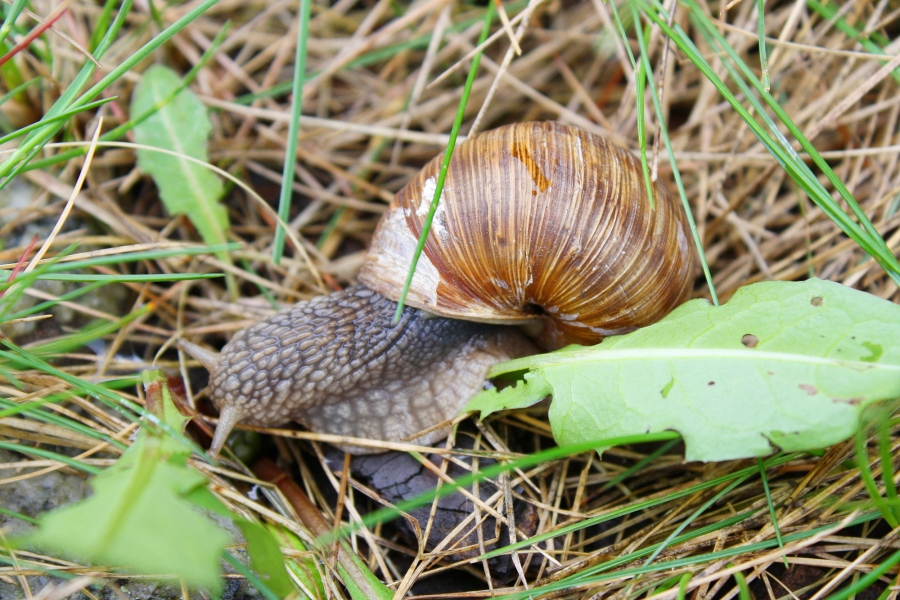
(539, 224)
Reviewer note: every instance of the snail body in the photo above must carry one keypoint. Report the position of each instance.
(539, 224)
(338, 365)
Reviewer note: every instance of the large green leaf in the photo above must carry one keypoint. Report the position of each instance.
(181, 124)
(784, 364)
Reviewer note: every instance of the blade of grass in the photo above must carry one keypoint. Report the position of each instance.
(35, 32)
(384, 514)
(12, 14)
(445, 164)
(771, 505)
(263, 290)
(641, 81)
(890, 591)
(640, 464)
(876, 240)
(783, 152)
(743, 589)
(290, 154)
(60, 117)
(604, 570)
(761, 30)
(828, 11)
(29, 451)
(694, 516)
(35, 411)
(887, 465)
(87, 334)
(13, 514)
(152, 278)
(22, 360)
(42, 306)
(697, 559)
(20, 278)
(101, 24)
(121, 130)
(18, 90)
(868, 479)
(638, 506)
(14, 408)
(868, 579)
(666, 584)
(676, 173)
(35, 141)
(249, 575)
(130, 257)
(682, 585)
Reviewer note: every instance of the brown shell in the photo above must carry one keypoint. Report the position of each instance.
(538, 219)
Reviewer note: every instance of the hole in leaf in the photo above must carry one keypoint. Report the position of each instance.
(750, 340)
(816, 301)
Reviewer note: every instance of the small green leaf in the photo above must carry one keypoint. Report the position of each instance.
(265, 557)
(376, 590)
(784, 364)
(138, 519)
(304, 568)
(180, 124)
(145, 516)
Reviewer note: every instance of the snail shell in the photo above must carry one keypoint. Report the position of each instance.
(538, 219)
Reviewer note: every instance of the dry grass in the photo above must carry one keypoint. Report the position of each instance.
(373, 121)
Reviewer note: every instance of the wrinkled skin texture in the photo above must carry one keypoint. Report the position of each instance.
(338, 366)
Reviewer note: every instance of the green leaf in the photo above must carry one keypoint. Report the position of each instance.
(145, 516)
(138, 520)
(180, 124)
(265, 557)
(161, 405)
(784, 364)
(374, 585)
(303, 568)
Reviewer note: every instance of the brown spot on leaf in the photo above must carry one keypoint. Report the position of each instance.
(711, 383)
(521, 151)
(750, 340)
(816, 301)
(850, 401)
(811, 390)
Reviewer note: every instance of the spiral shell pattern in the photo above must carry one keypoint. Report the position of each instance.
(538, 220)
